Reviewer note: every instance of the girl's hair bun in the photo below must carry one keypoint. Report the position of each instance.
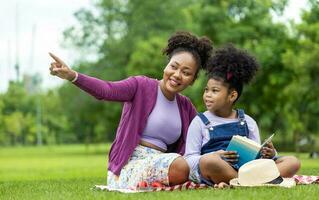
(232, 65)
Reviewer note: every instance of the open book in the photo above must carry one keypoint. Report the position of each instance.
(246, 148)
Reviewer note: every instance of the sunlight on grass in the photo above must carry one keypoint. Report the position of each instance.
(53, 162)
(70, 172)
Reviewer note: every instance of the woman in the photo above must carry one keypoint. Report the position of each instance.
(152, 131)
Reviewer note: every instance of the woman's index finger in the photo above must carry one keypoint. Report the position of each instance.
(57, 59)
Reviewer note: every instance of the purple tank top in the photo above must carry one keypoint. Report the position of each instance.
(164, 124)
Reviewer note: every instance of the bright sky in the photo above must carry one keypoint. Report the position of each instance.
(48, 19)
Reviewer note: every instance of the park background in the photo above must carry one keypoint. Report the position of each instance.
(125, 38)
(60, 129)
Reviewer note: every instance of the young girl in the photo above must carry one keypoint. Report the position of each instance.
(210, 132)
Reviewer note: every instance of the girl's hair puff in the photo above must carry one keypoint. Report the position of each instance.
(233, 66)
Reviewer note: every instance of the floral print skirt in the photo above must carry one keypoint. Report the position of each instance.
(145, 164)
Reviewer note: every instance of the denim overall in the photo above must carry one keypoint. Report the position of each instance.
(221, 135)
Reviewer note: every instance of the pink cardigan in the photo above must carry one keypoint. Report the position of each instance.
(139, 96)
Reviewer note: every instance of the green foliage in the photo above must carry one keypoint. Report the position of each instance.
(301, 93)
(16, 118)
(29, 118)
(127, 49)
(127, 37)
(146, 59)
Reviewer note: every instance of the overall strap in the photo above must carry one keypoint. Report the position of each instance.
(241, 116)
(203, 118)
(242, 121)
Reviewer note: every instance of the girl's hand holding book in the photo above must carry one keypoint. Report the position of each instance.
(229, 156)
(268, 151)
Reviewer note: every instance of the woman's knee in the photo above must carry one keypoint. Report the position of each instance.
(178, 171)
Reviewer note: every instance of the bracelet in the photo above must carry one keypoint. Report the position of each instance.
(75, 78)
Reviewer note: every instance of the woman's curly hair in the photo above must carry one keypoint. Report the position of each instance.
(200, 47)
(233, 66)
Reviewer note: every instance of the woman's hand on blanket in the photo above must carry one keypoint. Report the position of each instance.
(268, 151)
(60, 69)
(229, 156)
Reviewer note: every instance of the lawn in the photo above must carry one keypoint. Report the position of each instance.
(69, 172)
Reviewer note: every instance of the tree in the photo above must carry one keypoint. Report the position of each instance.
(249, 25)
(131, 37)
(301, 94)
(128, 36)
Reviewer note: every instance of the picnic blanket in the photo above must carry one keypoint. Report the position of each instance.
(300, 180)
(185, 186)
(305, 180)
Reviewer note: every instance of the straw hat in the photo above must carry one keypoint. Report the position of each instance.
(261, 172)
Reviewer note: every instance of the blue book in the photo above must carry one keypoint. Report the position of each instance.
(246, 148)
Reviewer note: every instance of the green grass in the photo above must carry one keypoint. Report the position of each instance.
(69, 172)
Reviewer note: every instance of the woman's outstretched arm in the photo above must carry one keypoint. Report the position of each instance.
(103, 90)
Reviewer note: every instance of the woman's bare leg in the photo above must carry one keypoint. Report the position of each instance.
(178, 171)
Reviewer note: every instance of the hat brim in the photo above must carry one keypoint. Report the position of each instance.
(287, 183)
